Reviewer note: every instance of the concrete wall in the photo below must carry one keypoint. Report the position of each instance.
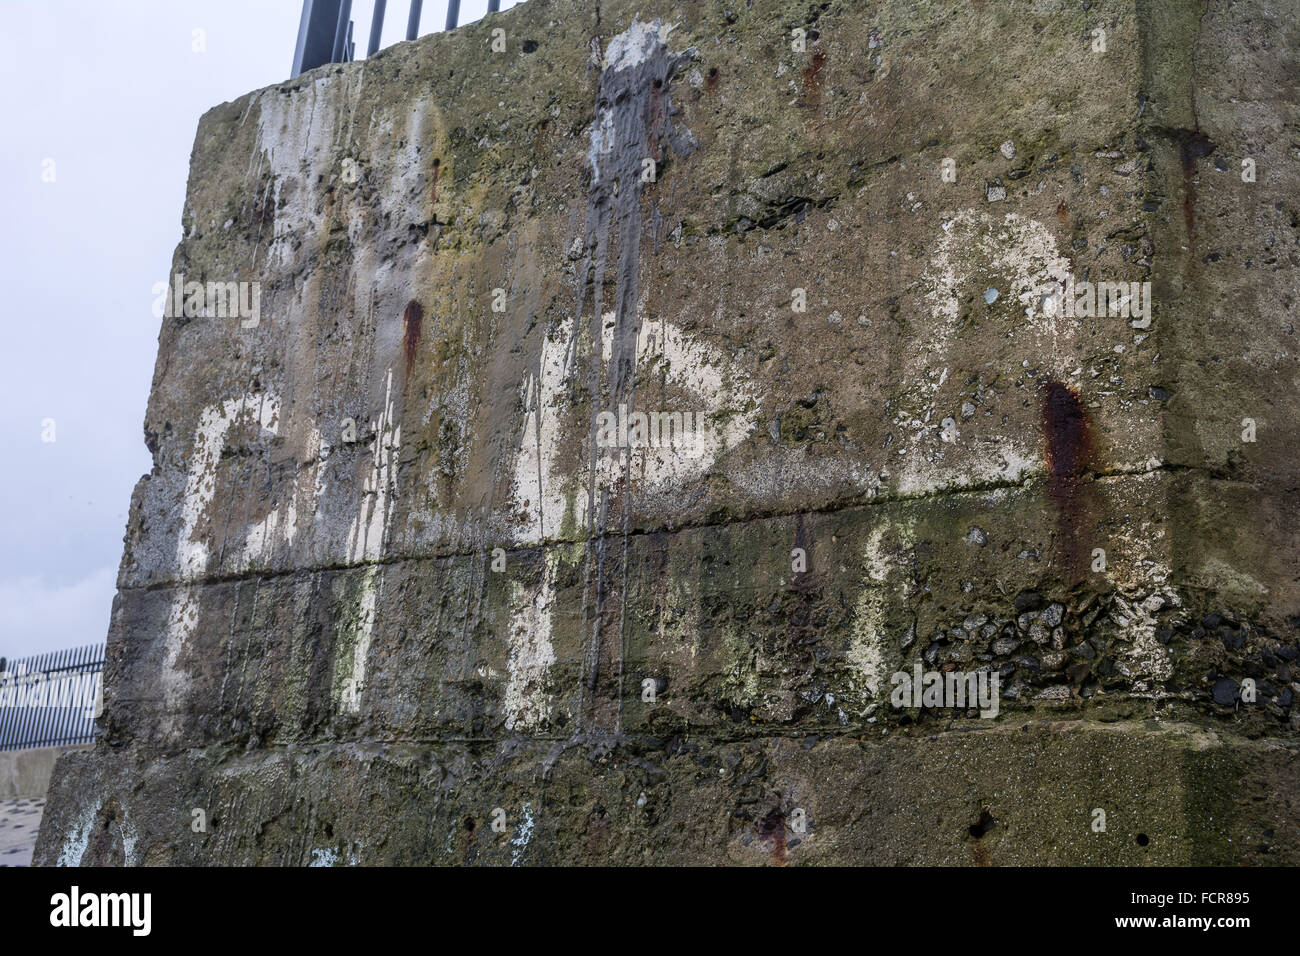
(25, 774)
(384, 580)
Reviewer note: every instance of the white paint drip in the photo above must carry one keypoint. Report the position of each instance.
(1016, 246)
(77, 841)
(130, 839)
(869, 641)
(366, 539)
(182, 620)
(602, 142)
(527, 703)
(297, 133)
(540, 492)
(359, 636)
(192, 556)
(520, 842)
(369, 528)
(215, 422)
(281, 523)
(634, 45)
(1023, 252)
(696, 368)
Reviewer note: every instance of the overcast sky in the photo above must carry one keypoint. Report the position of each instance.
(103, 97)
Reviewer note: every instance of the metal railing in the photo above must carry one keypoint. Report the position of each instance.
(325, 30)
(51, 700)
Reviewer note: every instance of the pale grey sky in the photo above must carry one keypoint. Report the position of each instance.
(103, 97)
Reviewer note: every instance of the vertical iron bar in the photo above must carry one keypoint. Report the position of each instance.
(77, 714)
(494, 6)
(67, 720)
(15, 715)
(45, 713)
(40, 713)
(6, 714)
(48, 713)
(87, 731)
(99, 690)
(376, 27)
(316, 34)
(453, 13)
(413, 21)
(341, 31)
(60, 716)
(29, 717)
(51, 713)
(65, 714)
(304, 31)
(6, 710)
(25, 711)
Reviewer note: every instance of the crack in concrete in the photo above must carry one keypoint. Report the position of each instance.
(750, 518)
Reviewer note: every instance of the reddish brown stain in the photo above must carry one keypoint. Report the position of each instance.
(812, 81)
(540, 140)
(772, 827)
(1069, 456)
(978, 830)
(412, 319)
(471, 841)
(711, 81)
(1065, 425)
(1062, 212)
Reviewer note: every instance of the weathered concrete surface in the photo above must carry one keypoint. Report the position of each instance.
(1195, 797)
(317, 642)
(25, 774)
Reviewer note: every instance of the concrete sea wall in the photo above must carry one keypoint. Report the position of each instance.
(395, 593)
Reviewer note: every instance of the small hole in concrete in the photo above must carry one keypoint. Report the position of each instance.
(983, 826)
(1143, 839)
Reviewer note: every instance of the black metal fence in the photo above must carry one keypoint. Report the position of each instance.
(325, 30)
(50, 700)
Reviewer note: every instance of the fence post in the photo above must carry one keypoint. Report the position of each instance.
(376, 27)
(341, 32)
(315, 35)
(413, 21)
